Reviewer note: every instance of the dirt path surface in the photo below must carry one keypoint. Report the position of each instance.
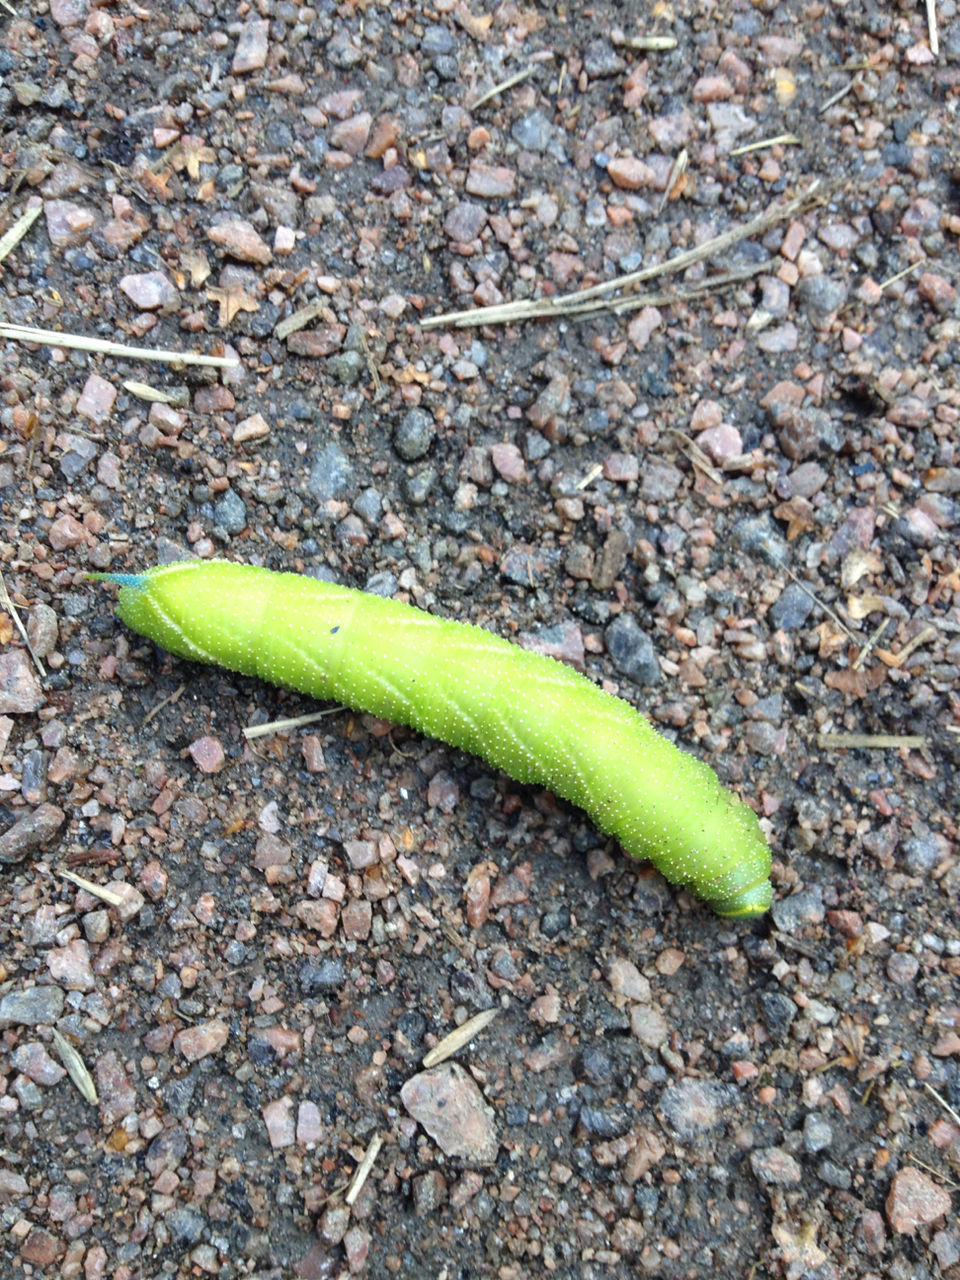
(734, 500)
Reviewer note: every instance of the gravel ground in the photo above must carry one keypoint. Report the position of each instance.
(737, 508)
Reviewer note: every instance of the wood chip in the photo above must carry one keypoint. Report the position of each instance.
(300, 319)
(76, 1068)
(143, 391)
(457, 1038)
(648, 44)
(779, 140)
(96, 890)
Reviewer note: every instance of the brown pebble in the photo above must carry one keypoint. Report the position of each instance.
(202, 1040)
(252, 47)
(323, 916)
(915, 1200)
(356, 920)
(446, 1101)
(630, 174)
(150, 291)
(322, 341)
(66, 532)
(96, 399)
(207, 754)
(68, 225)
(775, 1167)
(41, 1248)
(490, 181)
(240, 239)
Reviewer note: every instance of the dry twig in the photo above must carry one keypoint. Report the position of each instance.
(865, 651)
(11, 608)
(510, 83)
(582, 301)
(78, 342)
(362, 1171)
(282, 726)
(898, 659)
(780, 140)
(165, 702)
(932, 28)
(871, 741)
(19, 229)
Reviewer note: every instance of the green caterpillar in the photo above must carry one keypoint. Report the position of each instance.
(528, 715)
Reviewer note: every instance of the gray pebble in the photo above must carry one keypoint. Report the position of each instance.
(792, 608)
(769, 708)
(331, 473)
(414, 434)
(429, 1192)
(922, 853)
(465, 221)
(692, 1108)
(817, 1134)
(230, 514)
(774, 1167)
(601, 59)
(346, 367)
(186, 1227)
(790, 914)
(37, 1006)
(20, 690)
(382, 584)
(417, 489)
(42, 630)
(526, 566)
(555, 923)
(605, 1122)
(762, 738)
(28, 1093)
(369, 505)
(33, 776)
(834, 1176)
(325, 976)
(597, 1067)
(437, 40)
(660, 482)
(178, 1094)
(632, 650)
(821, 296)
(446, 67)
(778, 1012)
(76, 460)
(532, 131)
(31, 832)
(757, 536)
(902, 968)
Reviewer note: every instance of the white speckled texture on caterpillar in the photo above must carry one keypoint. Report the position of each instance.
(528, 715)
